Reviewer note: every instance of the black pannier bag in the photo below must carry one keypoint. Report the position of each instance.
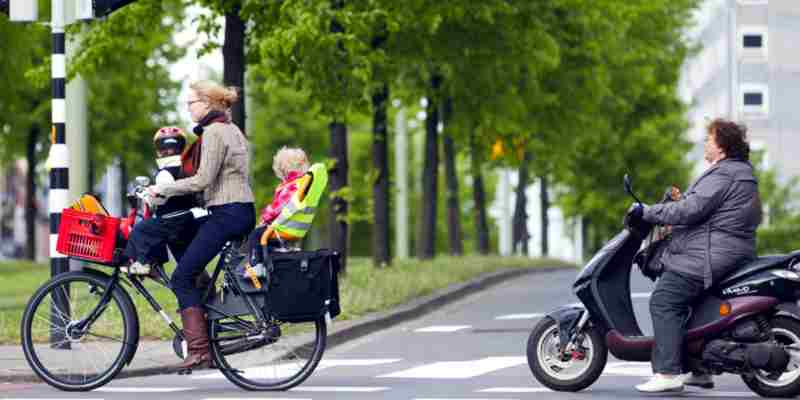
(302, 285)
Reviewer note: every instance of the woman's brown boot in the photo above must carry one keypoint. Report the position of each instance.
(195, 331)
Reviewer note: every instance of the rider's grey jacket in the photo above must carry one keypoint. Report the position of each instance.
(714, 223)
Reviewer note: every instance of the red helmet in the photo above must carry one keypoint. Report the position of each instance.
(169, 141)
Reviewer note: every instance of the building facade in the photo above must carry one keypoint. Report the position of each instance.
(747, 69)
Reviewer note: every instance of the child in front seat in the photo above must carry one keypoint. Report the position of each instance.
(289, 165)
(147, 242)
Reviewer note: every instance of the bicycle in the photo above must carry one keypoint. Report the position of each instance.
(91, 310)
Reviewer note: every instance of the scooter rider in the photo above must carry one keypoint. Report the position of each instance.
(714, 230)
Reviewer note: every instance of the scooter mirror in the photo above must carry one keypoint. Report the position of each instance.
(628, 189)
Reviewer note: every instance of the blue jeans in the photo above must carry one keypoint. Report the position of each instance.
(226, 222)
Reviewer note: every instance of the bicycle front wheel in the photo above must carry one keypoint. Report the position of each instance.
(66, 356)
(278, 356)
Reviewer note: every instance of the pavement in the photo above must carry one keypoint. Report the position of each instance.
(152, 357)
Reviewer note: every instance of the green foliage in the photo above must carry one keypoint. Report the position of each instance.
(125, 60)
(780, 230)
(26, 102)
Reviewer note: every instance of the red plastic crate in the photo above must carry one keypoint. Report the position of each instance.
(87, 236)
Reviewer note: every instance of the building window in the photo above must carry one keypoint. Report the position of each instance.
(754, 101)
(753, 43)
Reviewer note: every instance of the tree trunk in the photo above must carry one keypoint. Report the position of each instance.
(338, 181)
(234, 63)
(519, 233)
(426, 246)
(380, 188)
(478, 195)
(30, 194)
(454, 231)
(545, 200)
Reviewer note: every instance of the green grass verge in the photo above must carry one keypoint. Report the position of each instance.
(363, 290)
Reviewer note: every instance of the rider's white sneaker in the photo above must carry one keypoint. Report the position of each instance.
(662, 383)
(702, 380)
(136, 268)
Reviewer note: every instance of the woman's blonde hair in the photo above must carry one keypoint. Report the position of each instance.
(289, 159)
(218, 97)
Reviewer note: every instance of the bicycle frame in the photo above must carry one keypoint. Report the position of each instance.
(225, 262)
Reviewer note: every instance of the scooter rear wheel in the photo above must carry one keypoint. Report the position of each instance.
(567, 373)
(787, 332)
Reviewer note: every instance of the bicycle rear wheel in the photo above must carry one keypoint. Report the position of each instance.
(276, 357)
(65, 356)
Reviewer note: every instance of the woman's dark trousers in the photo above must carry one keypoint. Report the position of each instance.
(225, 223)
(669, 308)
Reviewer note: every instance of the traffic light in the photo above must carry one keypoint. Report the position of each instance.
(88, 9)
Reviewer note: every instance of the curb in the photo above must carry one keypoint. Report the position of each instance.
(346, 331)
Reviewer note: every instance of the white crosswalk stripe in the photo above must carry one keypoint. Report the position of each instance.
(519, 316)
(712, 393)
(642, 369)
(450, 398)
(113, 389)
(286, 371)
(353, 389)
(515, 390)
(443, 328)
(458, 369)
(256, 398)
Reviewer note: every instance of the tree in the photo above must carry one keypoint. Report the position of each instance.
(24, 112)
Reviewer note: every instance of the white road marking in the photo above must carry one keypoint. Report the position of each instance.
(515, 390)
(141, 390)
(520, 316)
(443, 328)
(355, 362)
(470, 398)
(641, 295)
(285, 371)
(458, 369)
(642, 369)
(364, 389)
(255, 398)
(712, 393)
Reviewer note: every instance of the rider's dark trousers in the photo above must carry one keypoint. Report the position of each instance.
(225, 223)
(669, 309)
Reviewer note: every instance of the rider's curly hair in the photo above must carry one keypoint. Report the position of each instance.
(731, 138)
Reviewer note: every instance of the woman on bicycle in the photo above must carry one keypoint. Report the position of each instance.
(223, 178)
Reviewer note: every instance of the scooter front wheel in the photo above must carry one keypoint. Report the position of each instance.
(569, 371)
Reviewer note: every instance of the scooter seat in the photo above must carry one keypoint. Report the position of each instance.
(757, 265)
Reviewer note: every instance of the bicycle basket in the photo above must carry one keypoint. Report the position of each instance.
(87, 236)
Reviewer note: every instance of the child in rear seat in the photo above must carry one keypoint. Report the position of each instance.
(289, 165)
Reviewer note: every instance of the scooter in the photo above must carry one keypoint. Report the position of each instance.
(747, 324)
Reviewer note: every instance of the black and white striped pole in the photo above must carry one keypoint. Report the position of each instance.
(58, 198)
(58, 159)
